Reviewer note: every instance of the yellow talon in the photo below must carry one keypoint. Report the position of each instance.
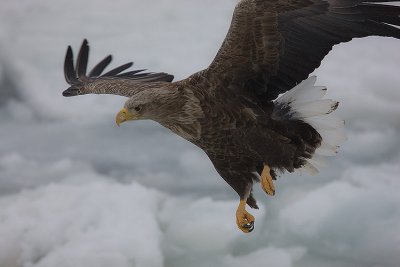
(244, 220)
(266, 181)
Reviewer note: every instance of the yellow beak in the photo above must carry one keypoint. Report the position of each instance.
(124, 115)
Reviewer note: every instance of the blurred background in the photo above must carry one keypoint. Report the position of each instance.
(75, 190)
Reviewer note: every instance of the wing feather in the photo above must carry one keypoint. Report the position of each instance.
(82, 61)
(100, 67)
(80, 82)
(118, 70)
(69, 70)
(273, 45)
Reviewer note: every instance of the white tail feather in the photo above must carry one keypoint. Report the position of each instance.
(306, 103)
(312, 109)
(327, 150)
(290, 96)
(333, 137)
(299, 95)
(308, 168)
(328, 122)
(315, 93)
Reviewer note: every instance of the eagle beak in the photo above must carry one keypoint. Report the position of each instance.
(124, 115)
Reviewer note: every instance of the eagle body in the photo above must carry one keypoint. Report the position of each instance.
(239, 137)
(255, 111)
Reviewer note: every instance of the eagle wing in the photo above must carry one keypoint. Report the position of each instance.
(272, 45)
(76, 75)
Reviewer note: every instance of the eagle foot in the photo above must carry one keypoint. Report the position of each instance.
(266, 181)
(244, 220)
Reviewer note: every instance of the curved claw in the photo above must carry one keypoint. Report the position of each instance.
(267, 183)
(251, 229)
(249, 226)
(244, 220)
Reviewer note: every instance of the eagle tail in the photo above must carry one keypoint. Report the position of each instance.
(305, 103)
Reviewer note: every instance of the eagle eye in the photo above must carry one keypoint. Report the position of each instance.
(138, 108)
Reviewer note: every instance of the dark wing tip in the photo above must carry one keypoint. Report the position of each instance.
(70, 92)
(118, 70)
(76, 76)
(82, 61)
(69, 71)
(69, 52)
(169, 78)
(139, 75)
(101, 66)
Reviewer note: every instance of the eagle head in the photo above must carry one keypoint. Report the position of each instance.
(154, 103)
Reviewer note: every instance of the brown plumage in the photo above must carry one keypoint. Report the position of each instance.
(228, 109)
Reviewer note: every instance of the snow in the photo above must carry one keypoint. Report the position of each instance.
(75, 190)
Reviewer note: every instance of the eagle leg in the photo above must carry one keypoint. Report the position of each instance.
(244, 220)
(266, 181)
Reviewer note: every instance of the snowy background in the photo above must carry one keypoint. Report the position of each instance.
(76, 191)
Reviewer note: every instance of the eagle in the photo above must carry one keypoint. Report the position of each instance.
(255, 111)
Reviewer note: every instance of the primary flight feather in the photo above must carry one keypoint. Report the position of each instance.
(231, 110)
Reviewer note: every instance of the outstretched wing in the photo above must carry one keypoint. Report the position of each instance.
(272, 45)
(78, 79)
